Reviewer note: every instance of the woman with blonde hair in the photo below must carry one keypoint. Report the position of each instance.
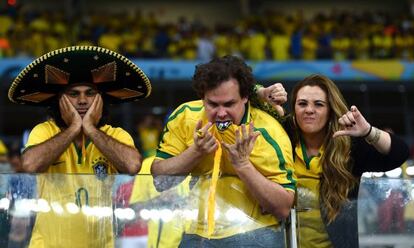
(333, 146)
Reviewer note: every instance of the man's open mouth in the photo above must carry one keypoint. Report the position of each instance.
(223, 125)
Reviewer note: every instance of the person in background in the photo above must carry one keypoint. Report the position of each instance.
(4, 165)
(333, 146)
(149, 130)
(77, 84)
(242, 154)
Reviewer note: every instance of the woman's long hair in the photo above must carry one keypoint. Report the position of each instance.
(336, 180)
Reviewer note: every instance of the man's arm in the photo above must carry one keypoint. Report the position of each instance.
(204, 143)
(125, 158)
(272, 197)
(39, 157)
(178, 165)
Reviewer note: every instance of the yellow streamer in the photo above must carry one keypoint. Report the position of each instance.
(212, 193)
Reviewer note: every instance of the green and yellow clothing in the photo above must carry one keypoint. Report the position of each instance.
(271, 156)
(72, 219)
(313, 230)
(222, 44)
(383, 45)
(340, 47)
(280, 45)
(308, 170)
(256, 47)
(361, 46)
(309, 45)
(403, 46)
(5, 23)
(111, 41)
(149, 140)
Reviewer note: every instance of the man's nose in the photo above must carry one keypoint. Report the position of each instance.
(82, 99)
(221, 112)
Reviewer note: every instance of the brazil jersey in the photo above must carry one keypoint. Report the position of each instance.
(308, 170)
(77, 208)
(72, 160)
(271, 156)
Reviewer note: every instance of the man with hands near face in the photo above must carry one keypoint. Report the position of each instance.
(242, 156)
(76, 84)
(81, 110)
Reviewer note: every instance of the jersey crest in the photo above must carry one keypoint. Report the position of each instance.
(100, 168)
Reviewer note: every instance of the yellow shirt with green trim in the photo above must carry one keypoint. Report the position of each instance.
(166, 234)
(80, 206)
(237, 210)
(308, 170)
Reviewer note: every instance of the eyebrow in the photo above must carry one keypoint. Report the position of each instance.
(76, 90)
(306, 100)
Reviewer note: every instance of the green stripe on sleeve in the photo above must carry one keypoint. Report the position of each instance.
(291, 186)
(172, 117)
(163, 155)
(196, 109)
(278, 151)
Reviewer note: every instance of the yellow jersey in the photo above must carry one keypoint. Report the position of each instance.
(271, 156)
(77, 209)
(308, 170)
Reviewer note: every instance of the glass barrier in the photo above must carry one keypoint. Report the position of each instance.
(386, 212)
(58, 210)
(383, 216)
(62, 210)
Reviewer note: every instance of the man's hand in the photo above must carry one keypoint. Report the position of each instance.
(69, 114)
(275, 95)
(204, 141)
(93, 115)
(240, 151)
(354, 124)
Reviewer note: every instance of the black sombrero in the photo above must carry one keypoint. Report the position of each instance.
(117, 77)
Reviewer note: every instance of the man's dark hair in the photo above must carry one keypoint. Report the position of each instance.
(54, 112)
(210, 75)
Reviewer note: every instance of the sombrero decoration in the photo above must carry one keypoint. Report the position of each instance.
(117, 77)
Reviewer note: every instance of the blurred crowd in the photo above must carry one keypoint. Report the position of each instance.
(339, 35)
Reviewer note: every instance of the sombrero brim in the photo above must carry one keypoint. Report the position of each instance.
(117, 77)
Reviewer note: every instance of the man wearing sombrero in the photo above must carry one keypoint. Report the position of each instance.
(76, 84)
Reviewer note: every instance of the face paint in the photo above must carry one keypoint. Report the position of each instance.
(223, 125)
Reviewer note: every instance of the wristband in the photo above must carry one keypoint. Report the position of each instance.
(369, 132)
(375, 138)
